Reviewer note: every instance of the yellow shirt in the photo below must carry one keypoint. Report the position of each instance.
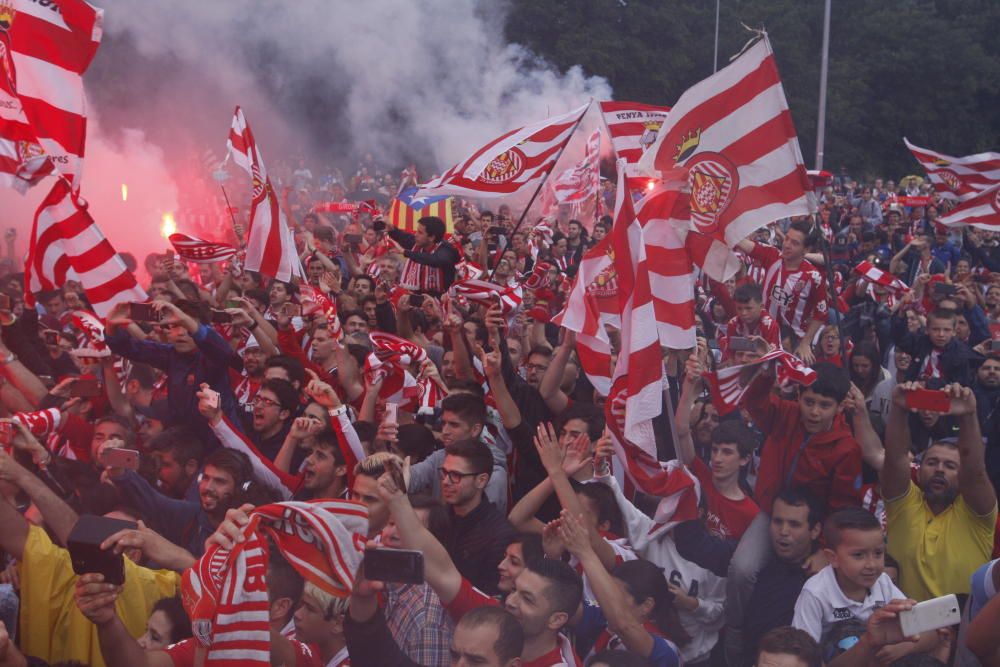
(937, 553)
(51, 626)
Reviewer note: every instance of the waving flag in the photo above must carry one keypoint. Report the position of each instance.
(591, 305)
(981, 210)
(509, 163)
(489, 294)
(877, 276)
(407, 209)
(580, 182)
(195, 250)
(270, 246)
(728, 385)
(959, 178)
(66, 244)
(633, 128)
(732, 135)
(44, 50)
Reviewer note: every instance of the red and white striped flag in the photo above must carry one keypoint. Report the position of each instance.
(509, 163)
(877, 276)
(958, 178)
(981, 210)
(728, 385)
(66, 244)
(44, 50)
(196, 250)
(580, 182)
(270, 244)
(732, 134)
(591, 305)
(487, 293)
(633, 128)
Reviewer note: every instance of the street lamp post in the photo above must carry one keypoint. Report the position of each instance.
(824, 63)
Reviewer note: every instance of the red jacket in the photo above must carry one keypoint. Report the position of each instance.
(829, 466)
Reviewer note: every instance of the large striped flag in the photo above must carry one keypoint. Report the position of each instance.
(45, 47)
(633, 128)
(732, 134)
(728, 385)
(509, 163)
(580, 182)
(66, 244)
(981, 210)
(643, 257)
(958, 177)
(406, 209)
(270, 246)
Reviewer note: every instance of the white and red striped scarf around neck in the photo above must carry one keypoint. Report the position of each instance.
(421, 277)
(225, 592)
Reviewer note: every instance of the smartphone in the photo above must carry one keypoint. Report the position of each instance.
(352, 239)
(6, 433)
(944, 290)
(497, 230)
(931, 400)
(232, 303)
(398, 565)
(291, 309)
(416, 300)
(392, 413)
(378, 224)
(85, 388)
(51, 337)
(739, 344)
(211, 397)
(117, 457)
(143, 312)
(930, 615)
(221, 317)
(84, 546)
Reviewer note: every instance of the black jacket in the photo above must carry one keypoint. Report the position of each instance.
(956, 358)
(444, 257)
(476, 543)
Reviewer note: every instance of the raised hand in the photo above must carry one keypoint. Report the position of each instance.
(230, 531)
(548, 448)
(96, 599)
(574, 534)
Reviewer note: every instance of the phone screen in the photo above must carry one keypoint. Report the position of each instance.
(398, 565)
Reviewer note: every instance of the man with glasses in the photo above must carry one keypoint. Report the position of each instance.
(274, 407)
(479, 532)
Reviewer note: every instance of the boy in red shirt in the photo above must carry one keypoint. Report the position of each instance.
(730, 510)
(750, 320)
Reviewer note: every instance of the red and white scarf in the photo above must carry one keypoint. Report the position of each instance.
(225, 592)
(422, 277)
(389, 361)
(484, 292)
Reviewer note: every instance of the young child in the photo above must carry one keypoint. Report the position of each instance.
(937, 354)
(854, 584)
(750, 320)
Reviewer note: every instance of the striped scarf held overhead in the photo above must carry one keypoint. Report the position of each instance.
(728, 385)
(225, 592)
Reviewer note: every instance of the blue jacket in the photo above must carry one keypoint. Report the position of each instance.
(210, 363)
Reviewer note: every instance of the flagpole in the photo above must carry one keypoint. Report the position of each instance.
(545, 178)
(229, 208)
(831, 297)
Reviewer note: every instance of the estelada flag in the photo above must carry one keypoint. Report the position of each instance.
(407, 209)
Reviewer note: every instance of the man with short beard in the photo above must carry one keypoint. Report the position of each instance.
(940, 529)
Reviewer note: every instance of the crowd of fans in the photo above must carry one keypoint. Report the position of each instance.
(825, 510)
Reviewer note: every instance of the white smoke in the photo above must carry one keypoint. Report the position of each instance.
(330, 80)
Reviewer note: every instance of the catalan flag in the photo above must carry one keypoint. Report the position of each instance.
(407, 209)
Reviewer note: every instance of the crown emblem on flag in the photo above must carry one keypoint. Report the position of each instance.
(7, 15)
(689, 143)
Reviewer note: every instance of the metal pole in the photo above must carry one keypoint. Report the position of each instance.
(824, 63)
(715, 57)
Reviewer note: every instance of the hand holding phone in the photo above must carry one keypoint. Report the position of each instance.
(397, 565)
(85, 388)
(930, 615)
(143, 312)
(931, 400)
(117, 457)
(84, 546)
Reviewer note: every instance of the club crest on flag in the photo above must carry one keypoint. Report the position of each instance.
(713, 181)
(950, 178)
(649, 135)
(28, 150)
(503, 168)
(996, 201)
(605, 285)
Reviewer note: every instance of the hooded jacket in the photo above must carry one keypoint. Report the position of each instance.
(827, 464)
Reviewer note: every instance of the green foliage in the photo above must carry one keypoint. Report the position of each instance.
(925, 69)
